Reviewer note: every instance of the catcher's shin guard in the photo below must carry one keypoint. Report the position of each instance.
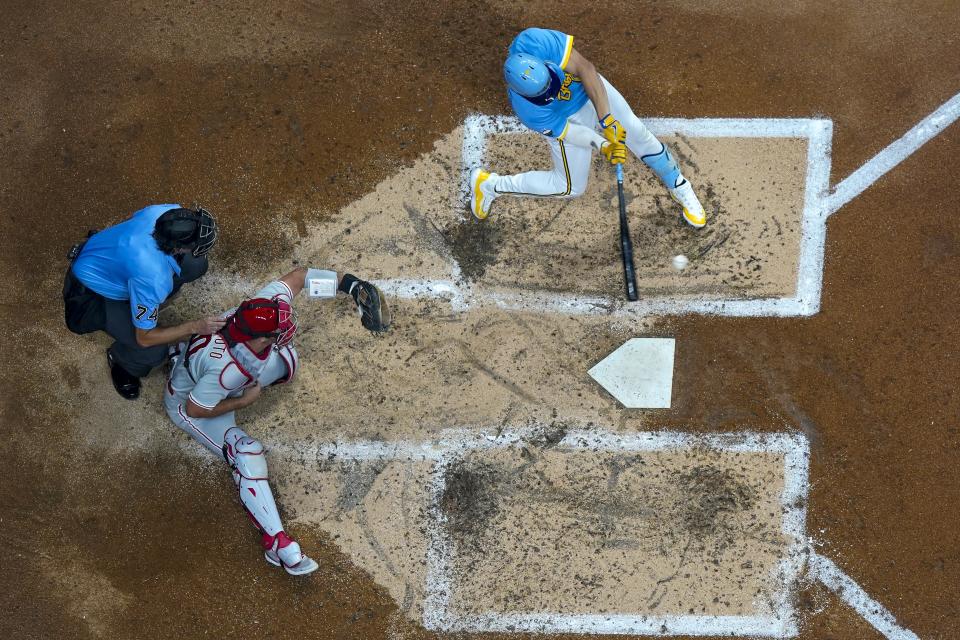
(246, 458)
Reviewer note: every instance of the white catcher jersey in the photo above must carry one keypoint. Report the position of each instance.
(207, 370)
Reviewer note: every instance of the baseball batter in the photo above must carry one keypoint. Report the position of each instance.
(558, 93)
(214, 375)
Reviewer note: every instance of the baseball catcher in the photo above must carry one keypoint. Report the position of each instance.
(214, 375)
(559, 94)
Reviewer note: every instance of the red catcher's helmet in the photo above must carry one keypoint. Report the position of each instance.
(262, 318)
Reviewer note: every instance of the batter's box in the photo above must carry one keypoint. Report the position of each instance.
(762, 181)
(661, 534)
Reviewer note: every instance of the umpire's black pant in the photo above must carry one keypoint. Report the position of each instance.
(86, 311)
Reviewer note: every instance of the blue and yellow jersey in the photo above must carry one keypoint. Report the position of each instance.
(550, 46)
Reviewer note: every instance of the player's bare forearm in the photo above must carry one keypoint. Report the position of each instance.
(177, 333)
(295, 280)
(584, 69)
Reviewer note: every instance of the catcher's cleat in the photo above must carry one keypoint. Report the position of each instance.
(693, 211)
(283, 551)
(126, 384)
(481, 195)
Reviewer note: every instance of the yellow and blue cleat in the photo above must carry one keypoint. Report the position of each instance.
(480, 196)
(693, 211)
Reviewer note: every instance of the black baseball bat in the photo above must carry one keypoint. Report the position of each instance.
(626, 246)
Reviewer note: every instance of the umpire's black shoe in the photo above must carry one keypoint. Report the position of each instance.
(126, 384)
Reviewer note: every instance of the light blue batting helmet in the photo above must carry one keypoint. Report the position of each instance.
(536, 80)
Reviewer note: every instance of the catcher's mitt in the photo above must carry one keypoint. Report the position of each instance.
(374, 312)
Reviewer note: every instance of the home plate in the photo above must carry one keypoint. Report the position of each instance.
(639, 374)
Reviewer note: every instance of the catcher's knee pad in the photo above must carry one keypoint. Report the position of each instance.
(664, 166)
(245, 455)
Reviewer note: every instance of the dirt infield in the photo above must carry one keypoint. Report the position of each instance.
(752, 189)
(539, 533)
(537, 526)
(295, 122)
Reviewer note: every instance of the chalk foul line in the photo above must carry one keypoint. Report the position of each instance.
(899, 150)
(832, 577)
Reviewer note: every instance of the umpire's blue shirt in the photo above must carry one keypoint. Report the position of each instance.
(124, 262)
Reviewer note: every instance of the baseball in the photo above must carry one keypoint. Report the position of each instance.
(680, 262)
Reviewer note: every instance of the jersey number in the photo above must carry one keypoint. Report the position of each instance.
(199, 343)
(142, 310)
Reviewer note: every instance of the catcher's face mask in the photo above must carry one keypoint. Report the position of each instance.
(263, 318)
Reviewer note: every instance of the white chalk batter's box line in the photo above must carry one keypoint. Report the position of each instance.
(805, 302)
(819, 203)
(453, 445)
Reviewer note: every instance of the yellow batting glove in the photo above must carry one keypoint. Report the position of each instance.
(616, 152)
(612, 129)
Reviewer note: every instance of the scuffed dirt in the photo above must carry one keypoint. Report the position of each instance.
(536, 529)
(470, 500)
(714, 494)
(475, 246)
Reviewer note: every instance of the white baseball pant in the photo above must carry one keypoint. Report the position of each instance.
(571, 163)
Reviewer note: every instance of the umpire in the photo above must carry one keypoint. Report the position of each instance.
(120, 276)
